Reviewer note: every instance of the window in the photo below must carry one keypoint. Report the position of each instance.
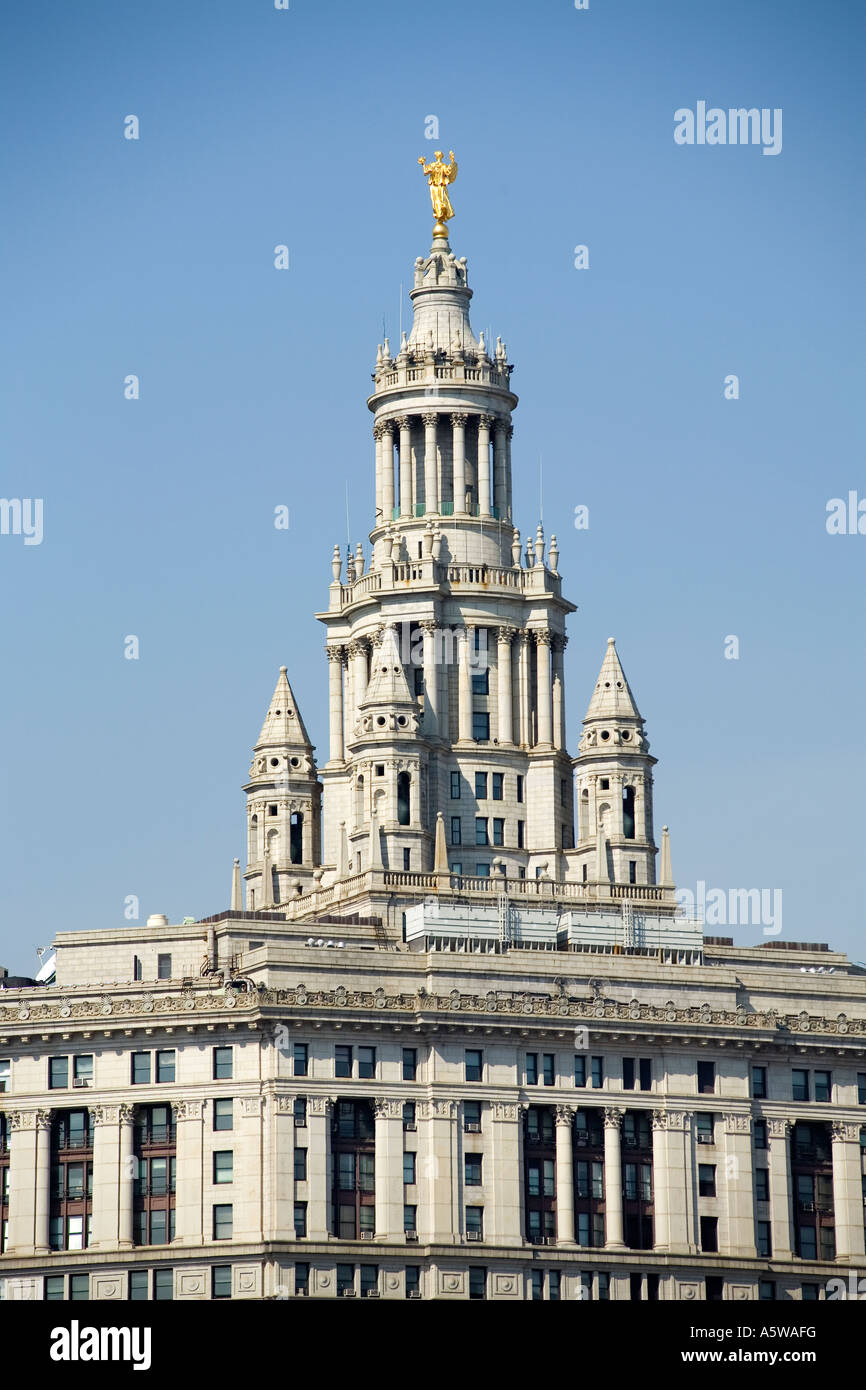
(706, 1077)
(477, 1283)
(481, 682)
(799, 1084)
(300, 1165)
(548, 1064)
(138, 1289)
(767, 1290)
(480, 727)
(409, 1115)
(481, 786)
(300, 1220)
(410, 1219)
(520, 787)
(54, 1289)
(809, 1293)
(474, 1062)
(222, 1222)
(366, 1063)
(222, 1064)
(137, 969)
(342, 1061)
(79, 1288)
(759, 1083)
(472, 1170)
(410, 1063)
(628, 1073)
(163, 1285)
(760, 1133)
(482, 870)
(521, 830)
(455, 786)
(300, 1059)
(704, 1128)
(165, 1066)
(597, 1072)
(299, 1108)
(58, 1073)
(498, 831)
(345, 1278)
(603, 1287)
(403, 798)
(456, 868)
(475, 1223)
(706, 1179)
(302, 1278)
(141, 1068)
(762, 1184)
(407, 860)
(163, 967)
(413, 1279)
(823, 1085)
(645, 1073)
(369, 1279)
(221, 1281)
(408, 1169)
(763, 1240)
(497, 780)
(223, 1114)
(532, 1068)
(861, 1084)
(472, 1116)
(456, 830)
(481, 837)
(632, 867)
(223, 1164)
(709, 1234)
(714, 1288)
(536, 1280)
(579, 1071)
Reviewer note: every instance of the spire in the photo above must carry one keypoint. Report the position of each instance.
(612, 697)
(666, 877)
(387, 684)
(440, 850)
(283, 723)
(237, 901)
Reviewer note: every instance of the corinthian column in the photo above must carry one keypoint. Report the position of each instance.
(389, 1169)
(613, 1178)
(387, 466)
(464, 706)
(377, 435)
(545, 706)
(458, 422)
(335, 702)
(484, 423)
(499, 485)
(504, 636)
(405, 466)
(847, 1192)
(508, 433)
(358, 658)
(564, 1175)
(525, 733)
(431, 491)
(431, 679)
(559, 691)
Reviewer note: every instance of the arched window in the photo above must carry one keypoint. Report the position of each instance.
(403, 783)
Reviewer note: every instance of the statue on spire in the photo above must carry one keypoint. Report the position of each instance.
(438, 176)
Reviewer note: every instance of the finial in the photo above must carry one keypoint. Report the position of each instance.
(439, 175)
(359, 560)
(284, 670)
(515, 548)
(611, 641)
(553, 554)
(336, 564)
(530, 553)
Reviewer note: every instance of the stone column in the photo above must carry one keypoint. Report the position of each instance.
(503, 1177)
(564, 1175)
(192, 1225)
(319, 1166)
(358, 657)
(458, 421)
(431, 480)
(128, 1166)
(43, 1179)
(387, 467)
(508, 503)
(439, 1212)
(108, 1177)
(779, 1139)
(499, 468)
(29, 1177)
(613, 1178)
(389, 1169)
(559, 735)
(504, 636)
(545, 703)
(405, 465)
(484, 423)
(464, 708)
(847, 1190)
(280, 1190)
(525, 734)
(377, 435)
(661, 1194)
(431, 679)
(335, 702)
(734, 1185)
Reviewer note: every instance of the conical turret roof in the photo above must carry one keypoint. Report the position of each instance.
(283, 723)
(387, 684)
(612, 697)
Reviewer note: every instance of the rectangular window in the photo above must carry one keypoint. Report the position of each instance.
(548, 1064)
(521, 830)
(472, 1170)
(823, 1085)
(79, 1285)
(163, 1285)
(519, 787)
(759, 1083)
(481, 786)
(760, 1133)
(82, 1068)
(223, 1114)
(799, 1084)
(861, 1085)
(706, 1179)
(137, 969)
(300, 1165)
(482, 870)
(222, 1222)
(138, 1286)
(536, 1285)
(481, 837)
(369, 1278)
(709, 1234)
(475, 1222)
(809, 1293)
(5, 1074)
(410, 1219)
(410, 1063)
(477, 1283)
(767, 1290)
(300, 1059)
(455, 786)
(497, 780)
(413, 1279)
(165, 1066)
(645, 1073)
(408, 1169)
(342, 1061)
(579, 1070)
(762, 1184)
(481, 682)
(221, 1281)
(299, 1108)
(704, 1128)
(366, 1063)
(603, 1287)
(58, 1073)
(345, 1278)
(407, 860)
(222, 1064)
(141, 1068)
(456, 830)
(409, 1115)
(532, 1068)
(457, 868)
(223, 1165)
(300, 1220)
(480, 727)
(763, 1240)
(474, 1061)
(628, 1073)
(302, 1278)
(706, 1078)
(163, 967)
(498, 831)
(597, 1072)
(472, 1116)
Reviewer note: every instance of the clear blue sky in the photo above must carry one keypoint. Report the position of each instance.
(707, 516)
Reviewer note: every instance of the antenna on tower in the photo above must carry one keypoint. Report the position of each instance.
(401, 311)
(540, 487)
(348, 532)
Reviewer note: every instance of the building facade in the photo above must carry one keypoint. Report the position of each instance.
(453, 1039)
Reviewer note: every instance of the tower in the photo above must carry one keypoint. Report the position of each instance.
(283, 806)
(614, 785)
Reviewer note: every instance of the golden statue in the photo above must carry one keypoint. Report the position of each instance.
(438, 176)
